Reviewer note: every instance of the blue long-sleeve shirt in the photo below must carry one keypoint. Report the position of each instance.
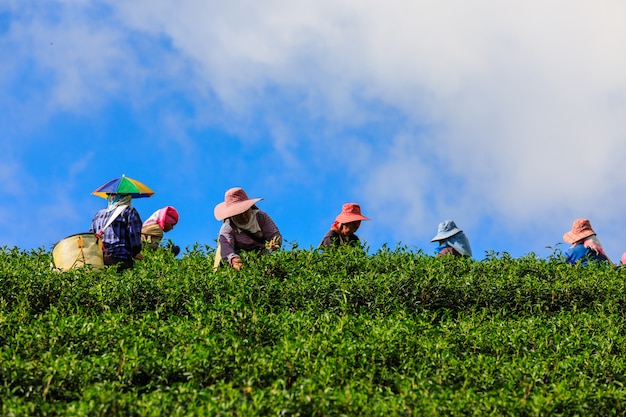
(583, 254)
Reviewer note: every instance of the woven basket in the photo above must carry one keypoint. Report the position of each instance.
(78, 250)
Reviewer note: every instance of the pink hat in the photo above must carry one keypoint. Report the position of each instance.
(350, 212)
(235, 202)
(581, 228)
(163, 216)
(624, 258)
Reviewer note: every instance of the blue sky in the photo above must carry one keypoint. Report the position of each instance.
(509, 118)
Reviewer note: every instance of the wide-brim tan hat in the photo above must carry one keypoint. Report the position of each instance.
(581, 228)
(350, 212)
(235, 202)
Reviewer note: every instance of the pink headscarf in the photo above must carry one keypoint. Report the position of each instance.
(163, 216)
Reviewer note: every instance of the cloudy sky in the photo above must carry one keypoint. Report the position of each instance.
(507, 117)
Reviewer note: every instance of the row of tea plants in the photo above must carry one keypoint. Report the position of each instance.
(306, 333)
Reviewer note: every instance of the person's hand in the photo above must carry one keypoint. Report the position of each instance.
(273, 244)
(139, 256)
(236, 263)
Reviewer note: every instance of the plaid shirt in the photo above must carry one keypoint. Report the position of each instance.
(233, 241)
(122, 239)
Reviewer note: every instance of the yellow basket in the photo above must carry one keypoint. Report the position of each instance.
(78, 250)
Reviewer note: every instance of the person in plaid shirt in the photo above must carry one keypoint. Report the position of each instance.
(244, 228)
(122, 239)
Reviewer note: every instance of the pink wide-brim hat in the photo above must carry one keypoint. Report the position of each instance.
(581, 228)
(350, 212)
(235, 202)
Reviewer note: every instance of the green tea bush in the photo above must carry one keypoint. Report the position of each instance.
(304, 332)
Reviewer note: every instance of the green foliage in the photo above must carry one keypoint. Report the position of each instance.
(302, 332)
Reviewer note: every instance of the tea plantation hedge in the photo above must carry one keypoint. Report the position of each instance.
(306, 333)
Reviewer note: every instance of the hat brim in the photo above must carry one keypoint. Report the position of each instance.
(445, 235)
(571, 237)
(347, 218)
(223, 210)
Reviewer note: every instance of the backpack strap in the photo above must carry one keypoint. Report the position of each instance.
(116, 213)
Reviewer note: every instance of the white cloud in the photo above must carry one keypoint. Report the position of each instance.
(71, 57)
(523, 102)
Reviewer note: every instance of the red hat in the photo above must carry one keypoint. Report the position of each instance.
(350, 212)
(235, 202)
(581, 228)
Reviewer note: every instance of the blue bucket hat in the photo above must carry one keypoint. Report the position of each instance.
(454, 237)
(445, 230)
